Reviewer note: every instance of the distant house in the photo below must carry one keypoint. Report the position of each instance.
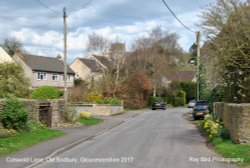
(104, 62)
(4, 56)
(44, 71)
(181, 76)
(86, 69)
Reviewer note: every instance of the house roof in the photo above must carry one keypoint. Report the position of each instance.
(104, 60)
(48, 64)
(181, 76)
(4, 56)
(91, 64)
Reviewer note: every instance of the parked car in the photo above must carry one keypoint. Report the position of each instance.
(191, 103)
(200, 109)
(159, 104)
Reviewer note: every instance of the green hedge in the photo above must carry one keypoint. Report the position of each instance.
(151, 100)
(45, 92)
(14, 115)
(179, 99)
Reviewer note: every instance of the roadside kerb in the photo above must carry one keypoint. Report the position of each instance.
(70, 146)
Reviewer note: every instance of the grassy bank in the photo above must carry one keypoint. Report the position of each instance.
(230, 150)
(227, 148)
(25, 139)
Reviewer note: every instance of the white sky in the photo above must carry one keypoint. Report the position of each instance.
(38, 23)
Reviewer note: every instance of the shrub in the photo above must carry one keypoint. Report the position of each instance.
(216, 95)
(12, 81)
(70, 114)
(94, 97)
(179, 99)
(152, 99)
(214, 128)
(168, 99)
(85, 114)
(110, 100)
(33, 126)
(44, 93)
(189, 88)
(14, 115)
(7, 132)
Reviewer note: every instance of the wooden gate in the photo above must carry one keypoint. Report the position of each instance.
(45, 113)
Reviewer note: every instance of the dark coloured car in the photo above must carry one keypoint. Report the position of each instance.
(159, 104)
(200, 109)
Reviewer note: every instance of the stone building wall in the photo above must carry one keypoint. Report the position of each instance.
(236, 118)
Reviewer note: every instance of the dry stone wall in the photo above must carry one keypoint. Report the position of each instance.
(56, 108)
(236, 118)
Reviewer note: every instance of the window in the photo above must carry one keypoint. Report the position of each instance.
(55, 77)
(77, 75)
(68, 78)
(41, 76)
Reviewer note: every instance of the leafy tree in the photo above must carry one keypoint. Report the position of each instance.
(12, 81)
(226, 25)
(189, 88)
(155, 55)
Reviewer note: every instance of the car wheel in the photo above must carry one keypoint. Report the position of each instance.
(164, 109)
(195, 118)
(153, 108)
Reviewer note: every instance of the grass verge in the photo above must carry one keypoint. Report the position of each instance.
(89, 121)
(22, 140)
(230, 150)
(227, 148)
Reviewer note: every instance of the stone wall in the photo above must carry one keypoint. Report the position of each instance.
(99, 109)
(236, 118)
(56, 108)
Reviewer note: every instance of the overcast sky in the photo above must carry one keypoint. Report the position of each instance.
(39, 25)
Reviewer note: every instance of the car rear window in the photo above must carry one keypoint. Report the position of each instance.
(203, 103)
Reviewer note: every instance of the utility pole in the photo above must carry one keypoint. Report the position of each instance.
(65, 57)
(198, 66)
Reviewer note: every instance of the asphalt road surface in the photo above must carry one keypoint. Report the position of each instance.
(154, 139)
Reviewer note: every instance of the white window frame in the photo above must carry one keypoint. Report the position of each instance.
(68, 77)
(77, 75)
(55, 75)
(41, 76)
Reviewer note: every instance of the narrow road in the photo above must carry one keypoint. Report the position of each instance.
(154, 139)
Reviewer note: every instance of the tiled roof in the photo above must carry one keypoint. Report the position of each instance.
(91, 64)
(104, 60)
(181, 76)
(48, 64)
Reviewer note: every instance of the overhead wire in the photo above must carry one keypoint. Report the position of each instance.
(172, 12)
(48, 7)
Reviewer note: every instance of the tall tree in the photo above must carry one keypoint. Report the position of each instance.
(156, 55)
(226, 24)
(11, 44)
(97, 44)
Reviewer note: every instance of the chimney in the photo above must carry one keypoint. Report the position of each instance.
(59, 56)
